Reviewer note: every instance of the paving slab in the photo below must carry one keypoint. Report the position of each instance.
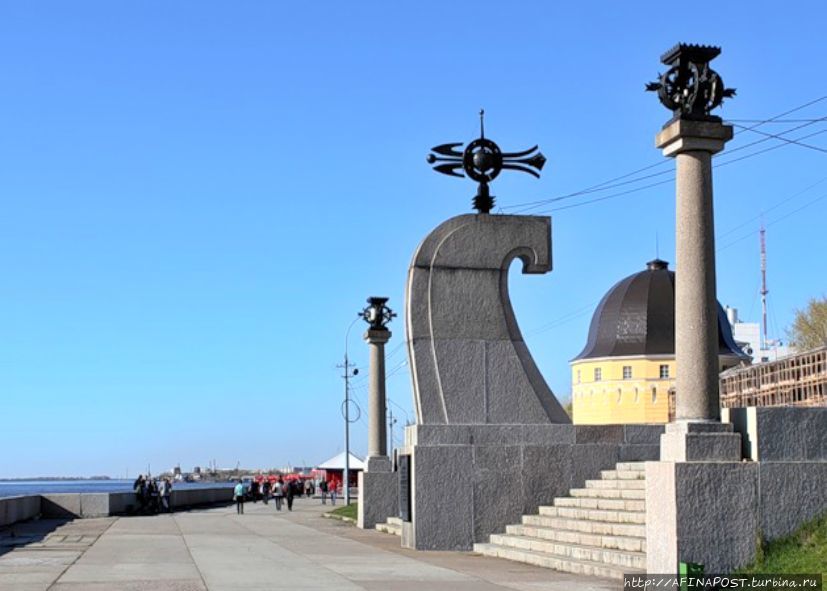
(262, 550)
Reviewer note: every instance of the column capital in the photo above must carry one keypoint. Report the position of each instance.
(377, 337)
(683, 135)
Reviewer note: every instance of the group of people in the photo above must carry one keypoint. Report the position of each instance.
(280, 491)
(153, 495)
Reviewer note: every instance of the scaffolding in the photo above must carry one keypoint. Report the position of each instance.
(797, 380)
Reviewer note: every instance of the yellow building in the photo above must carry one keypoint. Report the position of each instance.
(626, 371)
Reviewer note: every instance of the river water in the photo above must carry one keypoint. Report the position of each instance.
(35, 487)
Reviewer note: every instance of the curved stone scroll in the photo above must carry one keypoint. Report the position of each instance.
(468, 359)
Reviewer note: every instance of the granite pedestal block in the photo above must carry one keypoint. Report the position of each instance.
(689, 441)
(378, 498)
(470, 481)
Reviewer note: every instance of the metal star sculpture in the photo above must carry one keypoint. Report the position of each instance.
(690, 88)
(482, 161)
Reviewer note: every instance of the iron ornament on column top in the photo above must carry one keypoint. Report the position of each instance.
(690, 88)
(377, 314)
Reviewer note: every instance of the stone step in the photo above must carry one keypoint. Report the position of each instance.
(586, 526)
(389, 528)
(581, 567)
(609, 493)
(638, 484)
(595, 514)
(394, 521)
(634, 560)
(622, 475)
(631, 466)
(612, 542)
(609, 504)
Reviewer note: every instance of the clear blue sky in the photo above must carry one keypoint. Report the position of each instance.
(197, 198)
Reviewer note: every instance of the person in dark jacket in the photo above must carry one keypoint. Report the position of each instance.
(140, 492)
(291, 491)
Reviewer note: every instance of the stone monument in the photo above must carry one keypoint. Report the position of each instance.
(491, 441)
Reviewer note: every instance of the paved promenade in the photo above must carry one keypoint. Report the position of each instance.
(217, 550)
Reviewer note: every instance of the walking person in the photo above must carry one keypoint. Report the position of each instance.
(323, 489)
(140, 491)
(238, 496)
(333, 486)
(154, 496)
(165, 490)
(265, 492)
(278, 492)
(291, 490)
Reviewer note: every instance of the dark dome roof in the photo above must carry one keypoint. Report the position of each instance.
(637, 317)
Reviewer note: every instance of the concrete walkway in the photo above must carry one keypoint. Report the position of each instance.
(217, 550)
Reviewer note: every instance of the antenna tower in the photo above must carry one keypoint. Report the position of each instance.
(764, 290)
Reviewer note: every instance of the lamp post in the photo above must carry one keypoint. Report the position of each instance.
(347, 366)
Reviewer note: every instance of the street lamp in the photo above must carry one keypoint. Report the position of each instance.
(350, 371)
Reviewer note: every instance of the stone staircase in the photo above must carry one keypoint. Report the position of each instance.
(599, 530)
(392, 526)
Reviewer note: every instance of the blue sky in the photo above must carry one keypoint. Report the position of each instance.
(197, 198)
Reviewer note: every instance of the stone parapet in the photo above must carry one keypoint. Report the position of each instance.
(718, 513)
(774, 434)
(21, 508)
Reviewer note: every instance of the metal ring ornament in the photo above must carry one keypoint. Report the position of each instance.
(715, 93)
(675, 93)
(358, 413)
(479, 157)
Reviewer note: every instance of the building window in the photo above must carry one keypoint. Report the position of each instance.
(598, 374)
(627, 372)
(664, 372)
(578, 376)
(654, 395)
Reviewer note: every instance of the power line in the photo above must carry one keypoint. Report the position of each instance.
(770, 149)
(773, 120)
(776, 206)
(773, 222)
(783, 139)
(611, 183)
(671, 179)
(568, 317)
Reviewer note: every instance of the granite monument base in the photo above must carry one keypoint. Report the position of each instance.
(717, 513)
(470, 481)
(378, 493)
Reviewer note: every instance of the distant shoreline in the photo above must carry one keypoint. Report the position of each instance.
(53, 478)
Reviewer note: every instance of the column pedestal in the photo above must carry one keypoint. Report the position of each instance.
(693, 441)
